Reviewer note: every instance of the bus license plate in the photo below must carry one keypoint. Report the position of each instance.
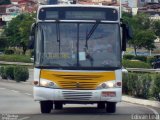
(109, 94)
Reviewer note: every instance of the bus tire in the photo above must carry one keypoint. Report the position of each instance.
(101, 105)
(46, 106)
(58, 105)
(111, 107)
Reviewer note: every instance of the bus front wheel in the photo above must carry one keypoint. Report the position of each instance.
(46, 106)
(111, 107)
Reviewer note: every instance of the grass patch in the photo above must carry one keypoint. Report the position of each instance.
(15, 58)
(135, 64)
(28, 66)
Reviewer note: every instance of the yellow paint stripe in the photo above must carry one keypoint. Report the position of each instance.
(62, 78)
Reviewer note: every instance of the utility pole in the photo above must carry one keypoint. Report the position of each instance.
(120, 8)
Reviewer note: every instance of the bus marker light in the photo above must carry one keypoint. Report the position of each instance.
(119, 84)
(35, 82)
(51, 84)
(104, 85)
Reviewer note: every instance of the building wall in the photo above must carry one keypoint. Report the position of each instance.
(133, 3)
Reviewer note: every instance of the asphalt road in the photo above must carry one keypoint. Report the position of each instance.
(16, 101)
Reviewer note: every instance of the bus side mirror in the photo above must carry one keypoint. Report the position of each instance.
(126, 35)
(124, 72)
(129, 32)
(32, 36)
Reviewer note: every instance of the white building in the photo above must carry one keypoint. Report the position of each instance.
(11, 12)
(14, 9)
(14, 2)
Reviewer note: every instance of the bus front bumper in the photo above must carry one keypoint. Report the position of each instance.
(105, 95)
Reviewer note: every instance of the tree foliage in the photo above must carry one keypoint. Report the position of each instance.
(156, 27)
(3, 42)
(18, 31)
(143, 34)
(143, 39)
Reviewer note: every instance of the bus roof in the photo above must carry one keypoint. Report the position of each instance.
(78, 5)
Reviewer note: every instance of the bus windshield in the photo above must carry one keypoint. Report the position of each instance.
(78, 45)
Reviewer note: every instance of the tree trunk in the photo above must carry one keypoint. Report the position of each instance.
(135, 50)
(24, 50)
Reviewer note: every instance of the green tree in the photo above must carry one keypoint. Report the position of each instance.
(18, 31)
(143, 39)
(156, 27)
(3, 42)
(143, 35)
(4, 2)
(24, 29)
(12, 31)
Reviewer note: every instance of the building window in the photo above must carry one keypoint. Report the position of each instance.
(114, 1)
(142, 0)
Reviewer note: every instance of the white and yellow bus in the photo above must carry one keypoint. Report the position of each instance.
(78, 56)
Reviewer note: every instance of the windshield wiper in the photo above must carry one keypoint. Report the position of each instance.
(58, 36)
(91, 32)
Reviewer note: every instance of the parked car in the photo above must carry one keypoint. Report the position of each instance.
(156, 63)
(1, 53)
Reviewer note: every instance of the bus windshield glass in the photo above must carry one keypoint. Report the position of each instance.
(78, 45)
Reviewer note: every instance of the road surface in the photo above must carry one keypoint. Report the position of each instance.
(16, 101)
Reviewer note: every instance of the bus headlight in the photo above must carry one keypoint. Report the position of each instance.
(109, 84)
(47, 83)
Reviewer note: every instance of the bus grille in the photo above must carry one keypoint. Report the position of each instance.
(77, 95)
(78, 82)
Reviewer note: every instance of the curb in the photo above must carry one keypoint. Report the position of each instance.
(16, 63)
(141, 101)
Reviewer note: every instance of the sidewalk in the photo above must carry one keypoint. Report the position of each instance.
(141, 101)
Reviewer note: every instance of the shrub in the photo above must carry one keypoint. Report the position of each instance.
(135, 64)
(2, 73)
(131, 83)
(125, 84)
(128, 57)
(21, 73)
(9, 51)
(155, 90)
(9, 71)
(141, 58)
(150, 60)
(142, 86)
(137, 85)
